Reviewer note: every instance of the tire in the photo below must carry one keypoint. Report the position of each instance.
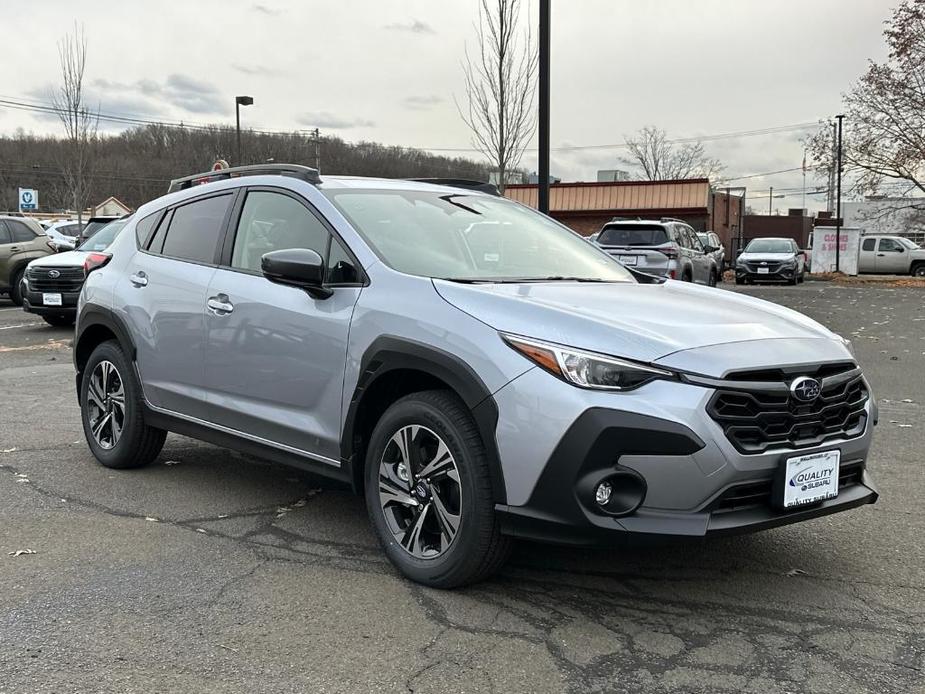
(792, 281)
(435, 558)
(918, 270)
(711, 282)
(740, 280)
(58, 320)
(133, 445)
(15, 288)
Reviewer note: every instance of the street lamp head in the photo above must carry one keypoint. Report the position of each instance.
(244, 100)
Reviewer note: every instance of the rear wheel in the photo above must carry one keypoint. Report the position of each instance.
(16, 288)
(59, 320)
(111, 411)
(429, 492)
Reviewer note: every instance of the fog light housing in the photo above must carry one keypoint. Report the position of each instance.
(617, 493)
(602, 493)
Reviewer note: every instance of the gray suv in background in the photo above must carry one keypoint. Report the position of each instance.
(665, 248)
(476, 370)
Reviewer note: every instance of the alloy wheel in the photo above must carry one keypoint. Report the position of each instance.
(106, 404)
(419, 491)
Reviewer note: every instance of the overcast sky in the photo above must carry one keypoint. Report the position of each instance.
(390, 70)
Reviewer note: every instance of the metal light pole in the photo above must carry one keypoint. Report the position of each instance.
(838, 198)
(240, 101)
(543, 116)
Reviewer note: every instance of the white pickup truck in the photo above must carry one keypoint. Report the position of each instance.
(891, 255)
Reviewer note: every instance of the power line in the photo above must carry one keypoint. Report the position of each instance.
(18, 103)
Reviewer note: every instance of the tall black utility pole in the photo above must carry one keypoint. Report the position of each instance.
(838, 197)
(543, 126)
(770, 201)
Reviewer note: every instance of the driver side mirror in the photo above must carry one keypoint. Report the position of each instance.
(296, 267)
(710, 249)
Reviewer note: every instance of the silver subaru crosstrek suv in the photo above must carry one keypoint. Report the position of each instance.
(478, 371)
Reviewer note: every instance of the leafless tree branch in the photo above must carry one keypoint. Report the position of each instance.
(659, 159)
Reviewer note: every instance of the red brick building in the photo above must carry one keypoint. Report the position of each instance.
(586, 207)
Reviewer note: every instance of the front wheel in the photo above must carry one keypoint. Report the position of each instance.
(429, 492)
(16, 288)
(111, 411)
(919, 270)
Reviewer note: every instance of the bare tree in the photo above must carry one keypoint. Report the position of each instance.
(501, 86)
(660, 159)
(80, 123)
(884, 137)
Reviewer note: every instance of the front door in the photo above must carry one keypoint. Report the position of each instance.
(892, 257)
(163, 294)
(275, 358)
(6, 253)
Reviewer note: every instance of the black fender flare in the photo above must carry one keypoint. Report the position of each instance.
(388, 353)
(93, 316)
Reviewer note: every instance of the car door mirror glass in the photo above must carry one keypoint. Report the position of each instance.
(296, 267)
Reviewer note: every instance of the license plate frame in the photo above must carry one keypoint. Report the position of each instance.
(628, 259)
(807, 479)
(52, 299)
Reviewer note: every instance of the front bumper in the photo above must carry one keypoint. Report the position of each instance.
(784, 274)
(32, 302)
(695, 484)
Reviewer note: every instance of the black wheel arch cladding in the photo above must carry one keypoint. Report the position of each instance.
(388, 355)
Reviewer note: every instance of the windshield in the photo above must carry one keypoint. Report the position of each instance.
(471, 238)
(911, 245)
(633, 235)
(769, 246)
(104, 237)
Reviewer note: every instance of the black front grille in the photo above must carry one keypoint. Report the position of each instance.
(69, 279)
(751, 494)
(756, 420)
(772, 267)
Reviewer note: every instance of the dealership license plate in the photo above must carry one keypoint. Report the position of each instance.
(763, 271)
(811, 478)
(628, 259)
(51, 299)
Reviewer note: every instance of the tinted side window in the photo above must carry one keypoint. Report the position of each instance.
(889, 245)
(274, 222)
(20, 232)
(4, 233)
(195, 229)
(868, 244)
(340, 266)
(144, 228)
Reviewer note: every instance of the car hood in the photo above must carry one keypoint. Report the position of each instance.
(644, 322)
(66, 259)
(758, 257)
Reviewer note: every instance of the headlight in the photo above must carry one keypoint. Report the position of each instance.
(586, 369)
(790, 263)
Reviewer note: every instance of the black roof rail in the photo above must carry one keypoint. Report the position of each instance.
(480, 186)
(304, 173)
(672, 219)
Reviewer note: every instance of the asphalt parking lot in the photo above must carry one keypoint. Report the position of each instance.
(212, 571)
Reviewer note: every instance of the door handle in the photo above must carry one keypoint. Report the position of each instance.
(139, 279)
(14, 249)
(881, 255)
(220, 305)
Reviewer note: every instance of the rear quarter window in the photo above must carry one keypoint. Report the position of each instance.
(195, 228)
(633, 235)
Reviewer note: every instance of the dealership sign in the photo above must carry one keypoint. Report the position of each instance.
(28, 199)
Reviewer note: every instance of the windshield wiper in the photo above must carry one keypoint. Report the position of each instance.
(521, 280)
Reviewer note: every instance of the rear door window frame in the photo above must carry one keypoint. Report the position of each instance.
(167, 220)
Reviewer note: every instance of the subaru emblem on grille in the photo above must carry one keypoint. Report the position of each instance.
(805, 389)
(54, 274)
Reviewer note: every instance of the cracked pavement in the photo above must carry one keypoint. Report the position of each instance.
(212, 571)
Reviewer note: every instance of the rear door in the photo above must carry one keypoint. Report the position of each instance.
(276, 356)
(892, 257)
(6, 242)
(867, 256)
(163, 299)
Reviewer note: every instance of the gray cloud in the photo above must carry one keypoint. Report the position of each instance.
(324, 119)
(422, 102)
(263, 9)
(256, 70)
(181, 91)
(415, 26)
